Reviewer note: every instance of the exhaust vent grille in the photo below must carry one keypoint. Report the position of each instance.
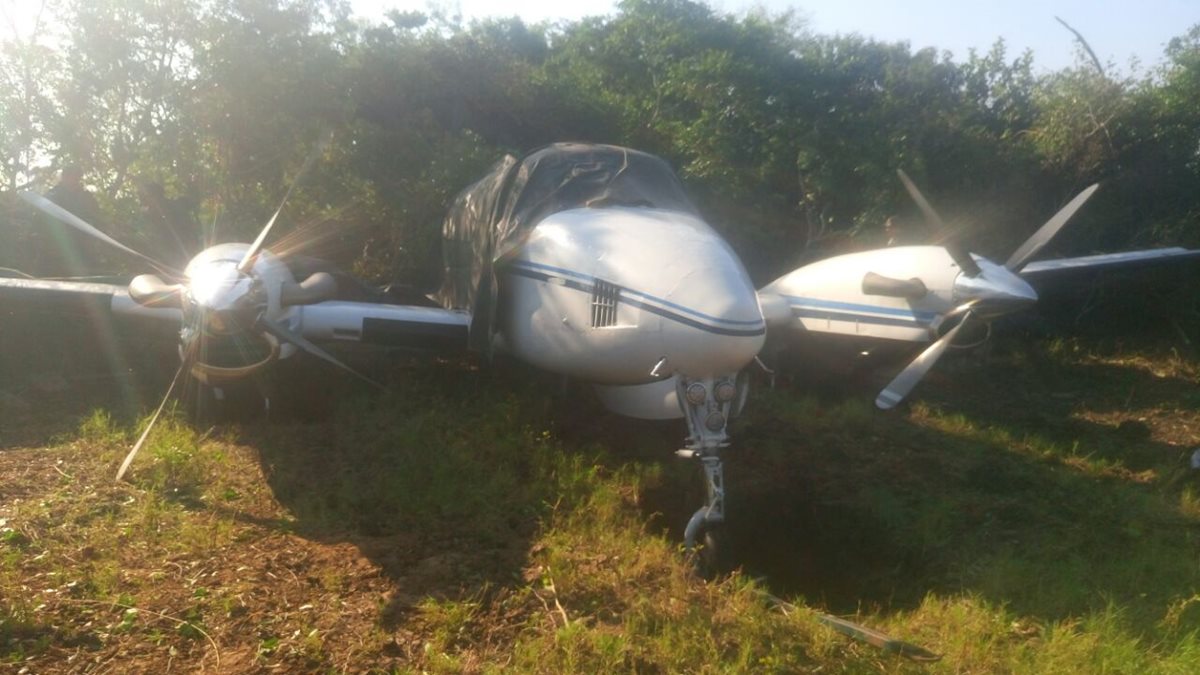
(605, 297)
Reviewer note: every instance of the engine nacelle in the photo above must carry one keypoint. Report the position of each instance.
(896, 293)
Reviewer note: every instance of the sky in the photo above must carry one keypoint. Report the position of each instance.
(1117, 31)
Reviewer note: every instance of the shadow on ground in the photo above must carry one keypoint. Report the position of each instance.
(440, 482)
(1022, 500)
(1054, 490)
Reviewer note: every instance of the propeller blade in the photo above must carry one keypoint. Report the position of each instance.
(926, 208)
(961, 257)
(252, 253)
(908, 378)
(183, 367)
(286, 335)
(1046, 232)
(59, 213)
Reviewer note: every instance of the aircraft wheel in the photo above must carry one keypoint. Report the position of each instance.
(712, 555)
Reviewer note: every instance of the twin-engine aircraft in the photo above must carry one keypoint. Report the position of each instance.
(591, 262)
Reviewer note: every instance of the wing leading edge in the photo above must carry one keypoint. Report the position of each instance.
(1082, 266)
(75, 297)
(383, 325)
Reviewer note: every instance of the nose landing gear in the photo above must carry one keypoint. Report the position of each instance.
(707, 405)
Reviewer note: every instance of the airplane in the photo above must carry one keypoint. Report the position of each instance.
(589, 261)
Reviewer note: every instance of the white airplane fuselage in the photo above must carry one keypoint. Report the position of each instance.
(629, 296)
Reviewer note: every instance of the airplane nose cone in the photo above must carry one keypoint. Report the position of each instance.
(717, 327)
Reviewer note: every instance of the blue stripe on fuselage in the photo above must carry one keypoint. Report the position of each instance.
(663, 308)
(813, 308)
(644, 296)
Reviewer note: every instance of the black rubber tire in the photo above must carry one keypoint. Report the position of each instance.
(712, 557)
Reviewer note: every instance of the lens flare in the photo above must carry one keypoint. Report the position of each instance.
(217, 285)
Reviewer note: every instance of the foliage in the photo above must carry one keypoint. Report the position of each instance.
(788, 139)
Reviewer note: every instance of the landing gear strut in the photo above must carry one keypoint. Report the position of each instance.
(707, 405)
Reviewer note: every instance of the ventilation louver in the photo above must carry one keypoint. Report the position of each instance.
(604, 304)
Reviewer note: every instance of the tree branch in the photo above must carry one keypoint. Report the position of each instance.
(1086, 46)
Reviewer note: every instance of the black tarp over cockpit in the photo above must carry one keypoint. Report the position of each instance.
(490, 219)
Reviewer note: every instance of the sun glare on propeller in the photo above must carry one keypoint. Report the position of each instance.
(217, 285)
(226, 299)
(234, 299)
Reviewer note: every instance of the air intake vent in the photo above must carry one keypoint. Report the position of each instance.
(604, 304)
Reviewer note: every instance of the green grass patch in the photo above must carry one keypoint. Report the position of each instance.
(474, 522)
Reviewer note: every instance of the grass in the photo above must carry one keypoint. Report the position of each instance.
(481, 521)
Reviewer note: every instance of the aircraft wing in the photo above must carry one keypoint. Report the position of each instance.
(384, 325)
(1089, 266)
(333, 321)
(75, 297)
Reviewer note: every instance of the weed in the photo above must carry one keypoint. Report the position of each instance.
(128, 619)
(180, 466)
(450, 623)
(268, 646)
(1189, 502)
(191, 628)
(98, 428)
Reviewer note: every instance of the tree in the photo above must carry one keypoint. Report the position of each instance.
(29, 74)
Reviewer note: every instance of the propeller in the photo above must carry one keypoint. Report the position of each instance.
(226, 299)
(998, 291)
(902, 384)
(959, 254)
(146, 289)
(1046, 232)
